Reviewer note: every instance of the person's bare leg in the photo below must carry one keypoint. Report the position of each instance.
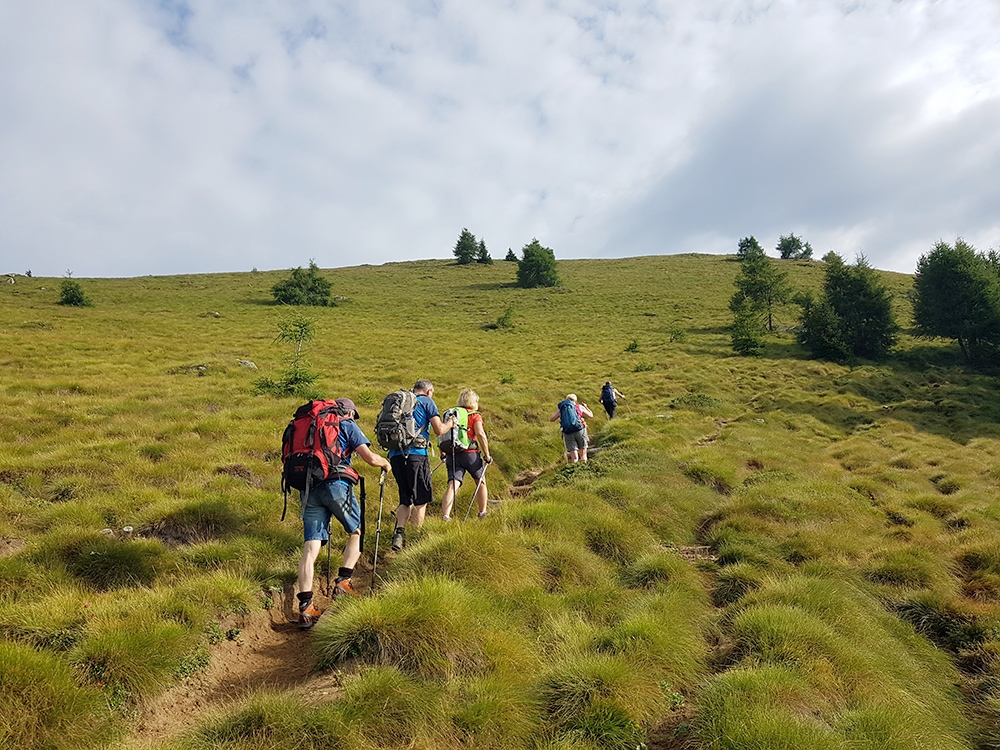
(483, 497)
(352, 551)
(449, 498)
(307, 564)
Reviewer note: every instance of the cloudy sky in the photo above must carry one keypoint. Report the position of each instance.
(189, 136)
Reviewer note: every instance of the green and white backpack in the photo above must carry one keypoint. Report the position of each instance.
(458, 437)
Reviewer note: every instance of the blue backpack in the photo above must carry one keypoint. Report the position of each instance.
(569, 418)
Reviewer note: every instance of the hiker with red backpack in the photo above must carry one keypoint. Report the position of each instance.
(574, 429)
(465, 450)
(316, 453)
(403, 427)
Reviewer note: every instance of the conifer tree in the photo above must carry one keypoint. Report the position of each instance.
(466, 248)
(482, 254)
(537, 266)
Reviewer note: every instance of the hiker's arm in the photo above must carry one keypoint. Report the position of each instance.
(371, 458)
(440, 428)
(484, 444)
(555, 416)
(586, 412)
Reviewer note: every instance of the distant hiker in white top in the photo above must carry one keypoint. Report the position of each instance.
(574, 429)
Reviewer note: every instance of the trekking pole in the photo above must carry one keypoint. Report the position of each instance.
(378, 528)
(627, 406)
(364, 526)
(476, 491)
(437, 467)
(329, 590)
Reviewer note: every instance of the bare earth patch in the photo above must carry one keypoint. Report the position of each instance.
(270, 653)
(10, 545)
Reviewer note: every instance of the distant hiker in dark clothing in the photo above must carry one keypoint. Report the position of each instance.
(411, 466)
(609, 397)
(574, 429)
(461, 449)
(334, 498)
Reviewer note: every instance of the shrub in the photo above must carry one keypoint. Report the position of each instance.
(303, 288)
(537, 266)
(71, 293)
(511, 256)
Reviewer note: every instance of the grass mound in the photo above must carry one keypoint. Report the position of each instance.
(42, 706)
(429, 626)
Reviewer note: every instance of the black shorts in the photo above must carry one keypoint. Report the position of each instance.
(413, 478)
(464, 462)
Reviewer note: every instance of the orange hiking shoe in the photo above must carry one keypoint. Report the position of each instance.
(343, 588)
(308, 616)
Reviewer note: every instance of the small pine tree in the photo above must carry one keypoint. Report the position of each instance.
(511, 256)
(957, 296)
(303, 288)
(483, 255)
(748, 329)
(864, 305)
(71, 293)
(466, 248)
(537, 266)
(749, 248)
(763, 284)
(820, 331)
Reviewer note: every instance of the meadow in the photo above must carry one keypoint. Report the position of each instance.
(769, 552)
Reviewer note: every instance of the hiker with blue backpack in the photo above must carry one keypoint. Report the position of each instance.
(316, 458)
(574, 429)
(403, 427)
(465, 450)
(609, 399)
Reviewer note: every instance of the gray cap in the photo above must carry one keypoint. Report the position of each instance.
(346, 403)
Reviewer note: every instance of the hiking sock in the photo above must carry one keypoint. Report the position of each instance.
(400, 530)
(304, 597)
(344, 573)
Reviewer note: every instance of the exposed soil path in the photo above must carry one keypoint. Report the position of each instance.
(270, 652)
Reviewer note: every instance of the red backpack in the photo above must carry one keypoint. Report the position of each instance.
(311, 451)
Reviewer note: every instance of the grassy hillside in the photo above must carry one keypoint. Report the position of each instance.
(764, 553)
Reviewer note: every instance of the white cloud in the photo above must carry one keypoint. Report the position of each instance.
(200, 136)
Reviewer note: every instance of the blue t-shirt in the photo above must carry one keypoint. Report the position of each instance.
(423, 413)
(350, 439)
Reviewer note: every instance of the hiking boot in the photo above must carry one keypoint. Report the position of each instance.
(343, 588)
(397, 540)
(308, 616)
